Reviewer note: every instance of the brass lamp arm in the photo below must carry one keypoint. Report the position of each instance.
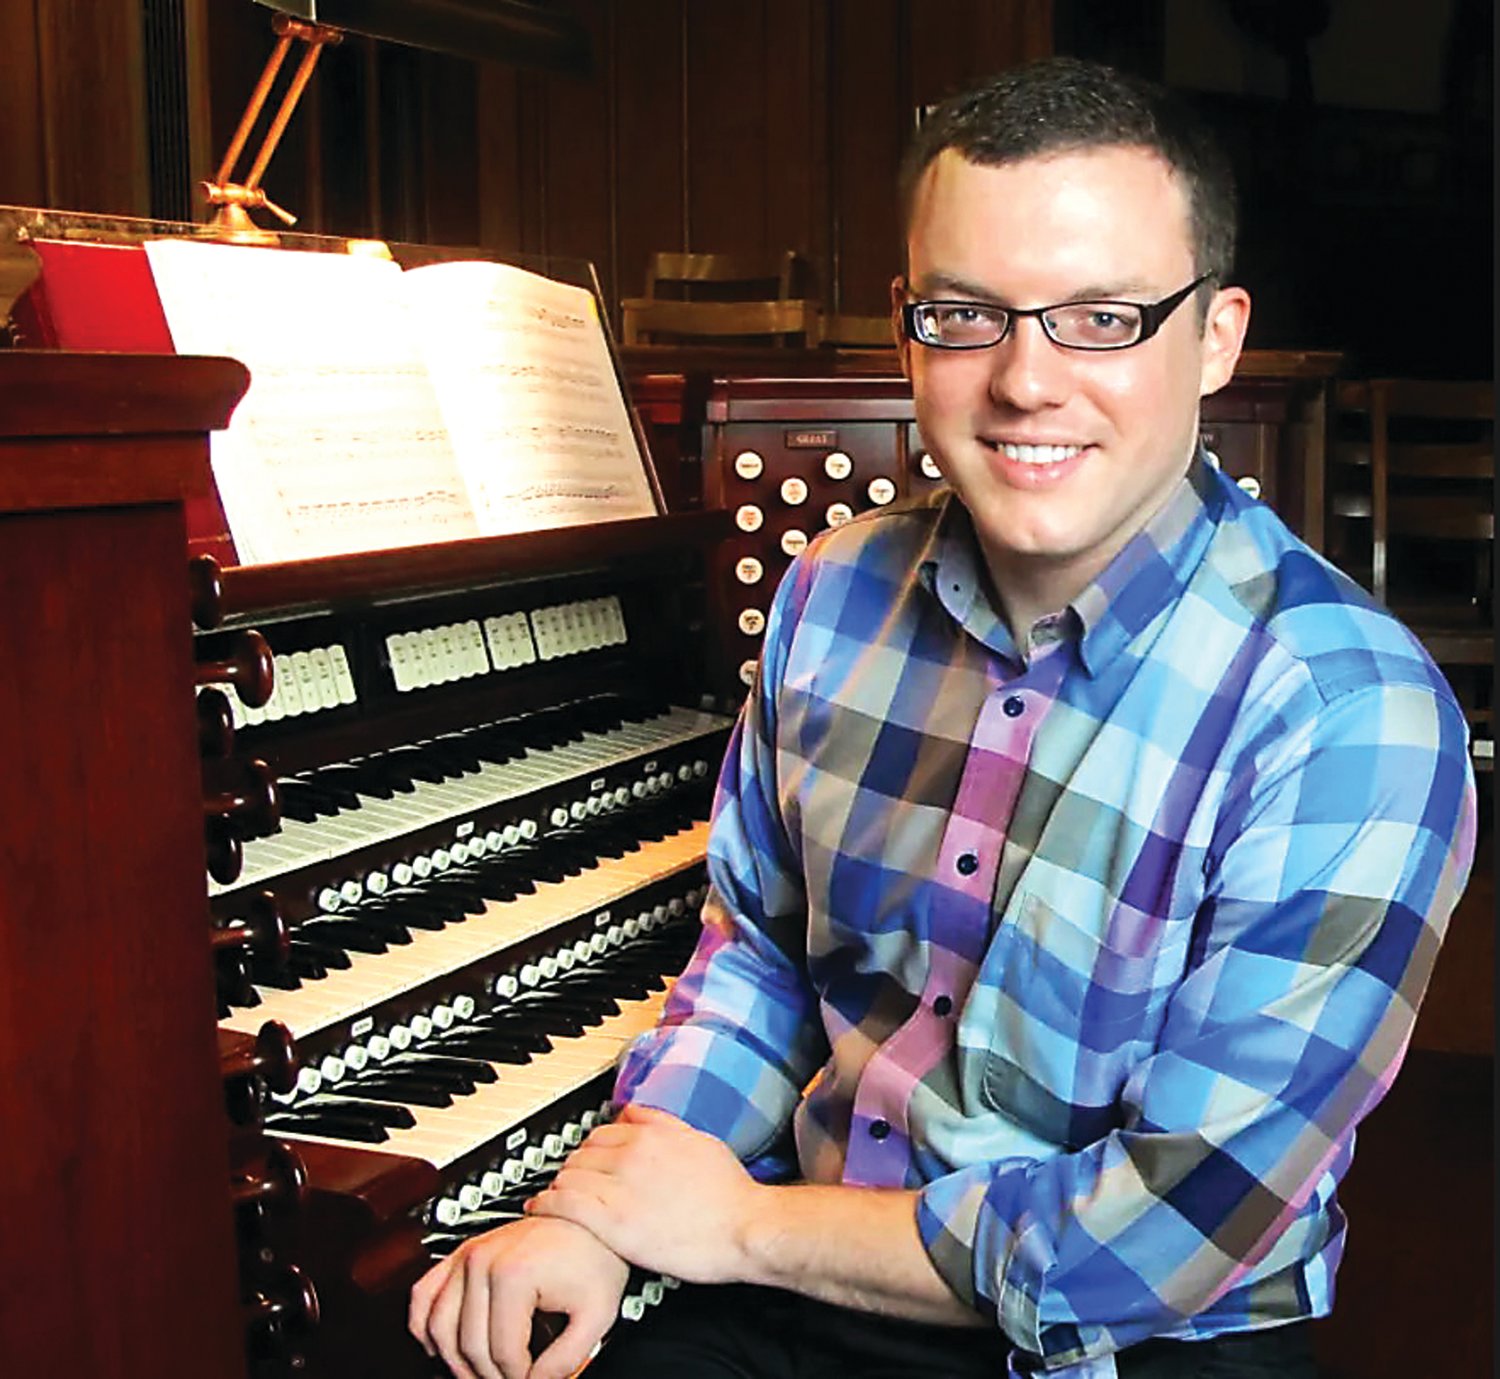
(235, 199)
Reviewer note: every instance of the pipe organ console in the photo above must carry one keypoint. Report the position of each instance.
(452, 825)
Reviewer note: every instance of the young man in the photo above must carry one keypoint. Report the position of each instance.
(1078, 863)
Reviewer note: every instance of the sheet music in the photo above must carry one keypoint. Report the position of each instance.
(529, 392)
(339, 444)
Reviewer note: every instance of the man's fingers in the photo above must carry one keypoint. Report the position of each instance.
(512, 1305)
(443, 1324)
(581, 1204)
(474, 1320)
(575, 1344)
(423, 1294)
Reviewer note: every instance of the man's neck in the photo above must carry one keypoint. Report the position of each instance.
(1025, 591)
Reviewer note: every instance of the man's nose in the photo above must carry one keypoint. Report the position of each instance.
(1028, 372)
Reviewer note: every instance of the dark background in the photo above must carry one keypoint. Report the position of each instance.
(1362, 132)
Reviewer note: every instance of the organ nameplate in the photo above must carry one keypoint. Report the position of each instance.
(802, 439)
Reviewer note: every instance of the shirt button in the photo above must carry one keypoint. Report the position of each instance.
(1014, 707)
(968, 864)
(879, 1129)
(942, 1005)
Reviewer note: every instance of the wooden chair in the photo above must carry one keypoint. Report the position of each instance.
(858, 332)
(723, 299)
(1425, 452)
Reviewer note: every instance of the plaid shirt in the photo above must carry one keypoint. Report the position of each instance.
(1103, 943)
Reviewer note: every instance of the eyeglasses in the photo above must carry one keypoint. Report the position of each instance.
(1074, 325)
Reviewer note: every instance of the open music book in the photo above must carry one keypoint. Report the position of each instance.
(393, 408)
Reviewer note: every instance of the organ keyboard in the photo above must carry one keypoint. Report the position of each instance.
(492, 784)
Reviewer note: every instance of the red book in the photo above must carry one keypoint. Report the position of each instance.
(103, 297)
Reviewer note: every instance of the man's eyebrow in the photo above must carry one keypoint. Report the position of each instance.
(944, 285)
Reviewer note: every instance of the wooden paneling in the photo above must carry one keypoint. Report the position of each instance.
(869, 122)
(498, 185)
(958, 43)
(72, 106)
(577, 191)
(754, 127)
(22, 178)
(796, 139)
(647, 75)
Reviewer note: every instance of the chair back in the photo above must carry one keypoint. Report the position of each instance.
(1427, 451)
(723, 299)
(858, 332)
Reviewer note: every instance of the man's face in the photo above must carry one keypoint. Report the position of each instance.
(1118, 428)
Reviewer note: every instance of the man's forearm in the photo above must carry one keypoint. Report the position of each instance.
(856, 1247)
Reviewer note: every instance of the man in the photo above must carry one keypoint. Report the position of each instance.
(1078, 863)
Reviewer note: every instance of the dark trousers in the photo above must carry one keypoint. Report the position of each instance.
(741, 1332)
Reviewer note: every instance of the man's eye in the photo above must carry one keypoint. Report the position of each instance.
(1103, 319)
(962, 315)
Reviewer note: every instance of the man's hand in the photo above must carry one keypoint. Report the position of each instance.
(475, 1308)
(660, 1194)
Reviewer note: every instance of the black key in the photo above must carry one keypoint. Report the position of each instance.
(511, 871)
(486, 1026)
(404, 914)
(350, 934)
(351, 779)
(320, 950)
(299, 804)
(443, 1079)
(329, 795)
(379, 921)
(543, 1022)
(327, 1123)
(492, 888)
(477, 1069)
(309, 968)
(492, 1048)
(456, 892)
(414, 1094)
(449, 757)
(303, 795)
(274, 975)
(622, 984)
(376, 1112)
(415, 763)
(422, 909)
(565, 996)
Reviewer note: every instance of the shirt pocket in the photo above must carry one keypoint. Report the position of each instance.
(1078, 1003)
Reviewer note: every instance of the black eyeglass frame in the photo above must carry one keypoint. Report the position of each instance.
(1153, 314)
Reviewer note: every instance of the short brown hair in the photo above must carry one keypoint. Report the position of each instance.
(1063, 104)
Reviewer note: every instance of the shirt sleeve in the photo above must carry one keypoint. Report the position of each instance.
(740, 1035)
(1329, 884)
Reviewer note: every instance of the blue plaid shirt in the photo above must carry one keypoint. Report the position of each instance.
(1104, 942)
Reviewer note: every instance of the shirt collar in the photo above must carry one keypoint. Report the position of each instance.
(1152, 569)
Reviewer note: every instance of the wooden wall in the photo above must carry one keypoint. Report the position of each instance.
(72, 105)
(757, 125)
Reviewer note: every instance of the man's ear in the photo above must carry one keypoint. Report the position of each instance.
(1223, 337)
(903, 345)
